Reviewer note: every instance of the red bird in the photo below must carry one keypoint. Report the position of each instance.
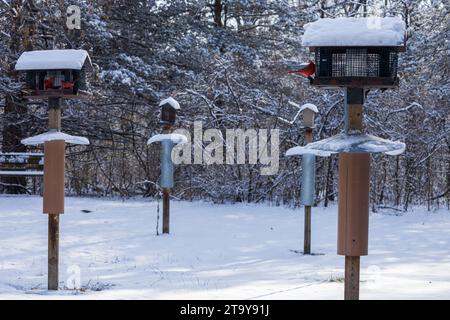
(67, 84)
(48, 83)
(306, 70)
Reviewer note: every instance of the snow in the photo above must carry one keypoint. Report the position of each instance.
(309, 106)
(298, 151)
(372, 31)
(174, 103)
(21, 173)
(357, 143)
(397, 152)
(18, 157)
(54, 135)
(216, 252)
(52, 59)
(175, 137)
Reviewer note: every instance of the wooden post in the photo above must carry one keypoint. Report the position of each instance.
(166, 210)
(351, 291)
(307, 240)
(166, 197)
(307, 230)
(53, 251)
(353, 197)
(53, 218)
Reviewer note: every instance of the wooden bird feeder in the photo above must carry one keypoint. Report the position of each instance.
(55, 73)
(169, 109)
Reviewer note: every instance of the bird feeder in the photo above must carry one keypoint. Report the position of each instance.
(357, 54)
(167, 139)
(169, 109)
(308, 179)
(54, 73)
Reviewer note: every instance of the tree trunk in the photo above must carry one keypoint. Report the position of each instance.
(218, 13)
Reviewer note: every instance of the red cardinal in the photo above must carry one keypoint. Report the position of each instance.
(48, 83)
(67, 84)
(306, 70)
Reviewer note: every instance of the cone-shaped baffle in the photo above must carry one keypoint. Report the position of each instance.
(356, 143)
(52, 136)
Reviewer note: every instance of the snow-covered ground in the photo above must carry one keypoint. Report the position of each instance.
(216, 252)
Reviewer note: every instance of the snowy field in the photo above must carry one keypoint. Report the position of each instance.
(216, 252)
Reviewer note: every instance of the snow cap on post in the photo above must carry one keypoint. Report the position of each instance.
(53, 136)
(307, 110)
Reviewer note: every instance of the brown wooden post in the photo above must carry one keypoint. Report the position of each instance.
(307, 240)
(351, 291)
(353, 218)
(307, 231)
(53, 217)
(166, 210)
(166, 197)
(53, 251)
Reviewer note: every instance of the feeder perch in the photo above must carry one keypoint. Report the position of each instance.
(55, 73)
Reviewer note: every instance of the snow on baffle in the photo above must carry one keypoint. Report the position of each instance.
(174, 137)
(359, 52)
(350, 143)
(53, 136)
(55, 73)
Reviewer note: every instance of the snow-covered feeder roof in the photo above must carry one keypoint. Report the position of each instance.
(53, 60)
(174, 137)
(52, 136)
(309, 106)
(344, 32)
(300, 151)
(174, 103)
(357, 143)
